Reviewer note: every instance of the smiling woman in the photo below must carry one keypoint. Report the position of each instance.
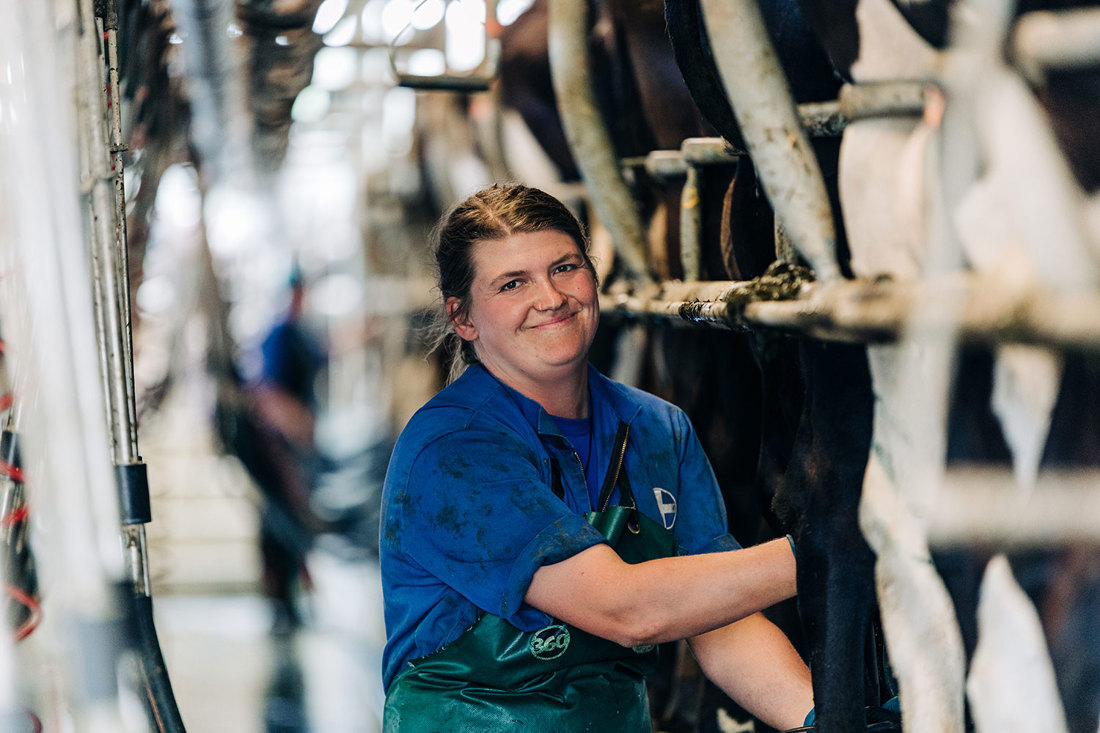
(531, 316)
(545, 527)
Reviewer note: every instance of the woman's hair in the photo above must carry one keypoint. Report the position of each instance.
(493, 213)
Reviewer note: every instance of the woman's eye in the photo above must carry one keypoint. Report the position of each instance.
(510, 285)
(566, 267)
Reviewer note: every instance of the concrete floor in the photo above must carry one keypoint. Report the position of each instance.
(230, 672)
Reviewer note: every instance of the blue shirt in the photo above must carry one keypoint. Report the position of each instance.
(468, 513)
(292, 358)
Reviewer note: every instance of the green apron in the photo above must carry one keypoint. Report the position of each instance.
(495, 677)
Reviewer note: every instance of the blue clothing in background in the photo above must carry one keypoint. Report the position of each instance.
(468, 513)
(292, 359)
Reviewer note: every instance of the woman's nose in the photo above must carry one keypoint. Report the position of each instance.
(549, 297)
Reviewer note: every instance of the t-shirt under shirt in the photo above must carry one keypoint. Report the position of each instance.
(578, 431)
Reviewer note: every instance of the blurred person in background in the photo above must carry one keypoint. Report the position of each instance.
(285, 401)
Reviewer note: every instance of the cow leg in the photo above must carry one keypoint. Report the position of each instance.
(819, 500)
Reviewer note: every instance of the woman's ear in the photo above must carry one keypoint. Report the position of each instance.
(460, 319)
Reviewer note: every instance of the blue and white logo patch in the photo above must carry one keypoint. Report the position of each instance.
(666, 505)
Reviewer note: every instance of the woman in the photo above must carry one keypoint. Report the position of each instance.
(544, 527)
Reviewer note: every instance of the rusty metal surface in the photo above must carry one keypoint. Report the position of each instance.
(871, 311)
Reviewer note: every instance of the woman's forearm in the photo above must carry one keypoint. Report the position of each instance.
(754, 663)
(663, 600)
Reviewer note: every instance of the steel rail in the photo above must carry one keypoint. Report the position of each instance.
(869, 311)
(983, 506)
(1053, 40)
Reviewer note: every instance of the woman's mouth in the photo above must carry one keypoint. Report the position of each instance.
(556, 321)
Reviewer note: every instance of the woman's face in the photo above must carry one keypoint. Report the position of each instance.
(533, 307)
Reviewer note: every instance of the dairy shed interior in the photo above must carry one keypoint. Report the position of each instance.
(858, 244)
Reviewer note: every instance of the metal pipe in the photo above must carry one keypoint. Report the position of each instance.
(691, 224)
(881, 99)
(479, 79)
(587, 134)
(117, 147)
(822, 119)
(115, 325)
(769, 122)
(709, 151)
(1044, 40)
(111, 304)
(984, 506)
(871, 311)
(664, 164)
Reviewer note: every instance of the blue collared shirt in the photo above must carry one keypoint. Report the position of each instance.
(468, 513)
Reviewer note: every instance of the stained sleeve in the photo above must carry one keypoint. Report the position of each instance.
(701, 524)
(479, 516)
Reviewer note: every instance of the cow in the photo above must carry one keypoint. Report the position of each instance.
(1002, 159)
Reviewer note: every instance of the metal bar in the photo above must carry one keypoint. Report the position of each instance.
(1044, 40)
(691, 225)
(662, 164)
(587, 134)
(445, 82)
(478, 80)
(765, 110)
(104, 245)
(881, 99)
(984, 506)
(111, 289)
(822, 119)
(709, 151)
(121, 253)
(871, 311)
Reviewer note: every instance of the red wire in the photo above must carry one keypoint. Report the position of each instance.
(15, 473)
(16, 516)
(19, 596)
(35, 721)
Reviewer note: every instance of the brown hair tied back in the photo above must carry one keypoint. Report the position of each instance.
(496, 212)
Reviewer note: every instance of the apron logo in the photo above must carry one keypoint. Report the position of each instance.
(666, 505)
(643, 648)
(549, 643)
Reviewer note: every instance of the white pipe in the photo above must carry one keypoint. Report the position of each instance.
(982, 506)
(770, 124)
(587, 134)
(1044, 40)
